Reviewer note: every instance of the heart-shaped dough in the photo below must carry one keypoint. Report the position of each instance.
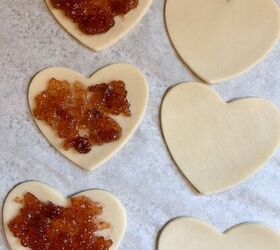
(137, 88)
(218, 145)
(113, 211)
(192, 234)
(221, 39)
(123, 24)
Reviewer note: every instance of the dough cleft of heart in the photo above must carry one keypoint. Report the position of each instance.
(192, 234)
(122, 25)
(221, 39)
(218, 145)
(107, 223)
(137, 95)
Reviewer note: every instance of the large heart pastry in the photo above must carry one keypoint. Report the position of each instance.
(192, 234)
(216, 144)
(137, 88)
(123, 24)
(221, 39)
(113, 211)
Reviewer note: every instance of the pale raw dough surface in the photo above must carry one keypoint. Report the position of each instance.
(218, 145)
(142, 175)
(221, 39)
(123, 24)
(192, 234)
(113, 211)
(137, 88)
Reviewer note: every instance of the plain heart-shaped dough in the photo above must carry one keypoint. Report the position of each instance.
(221, 39)
(216, 144)
(192, 234)
(123, 24)
(113, 211)
(137, 88)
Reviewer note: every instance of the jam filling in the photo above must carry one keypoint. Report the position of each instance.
(45, 226)
(80, 114)
(94, 16)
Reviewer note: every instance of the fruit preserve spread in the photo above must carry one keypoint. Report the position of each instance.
(94, 16)
(45, 226)
(80, 114)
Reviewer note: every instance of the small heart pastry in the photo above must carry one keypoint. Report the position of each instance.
(137, 88)
(221, 39)
(123, 24)
(113, 211)
(217, 145)
(192, 234)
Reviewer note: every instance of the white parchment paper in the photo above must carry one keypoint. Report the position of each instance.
(143, 174)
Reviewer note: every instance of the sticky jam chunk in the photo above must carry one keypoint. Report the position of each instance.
(94, 16)
(45, 226)
(80, 115)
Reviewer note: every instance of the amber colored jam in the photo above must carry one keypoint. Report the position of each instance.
(94, 16)
(80, 115)
(45, 226)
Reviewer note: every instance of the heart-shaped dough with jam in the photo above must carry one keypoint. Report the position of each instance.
(221, 39)
(123, 24)
(113, 211)
(216, 144)
(137, 88)
(192, 234)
